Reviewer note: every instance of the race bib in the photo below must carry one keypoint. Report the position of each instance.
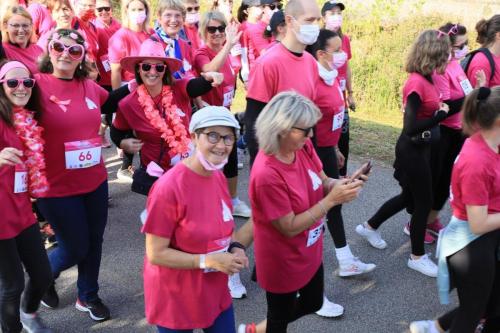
(315, 234)
(224, 244)
(465, 84)
(342, 84)
(82, 154)
(228, 96)
(105, 63)
(338, 120)
(20, 179)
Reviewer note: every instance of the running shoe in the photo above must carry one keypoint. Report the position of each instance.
(429, 239)
(330, 309)
(424, 265)
(372, 236)
(435, 227)
(241, 209)
(355, 267)
(125, 175)
(247, 328)
(50, 299)
(96, 309)
(32, 323)
(236, 288)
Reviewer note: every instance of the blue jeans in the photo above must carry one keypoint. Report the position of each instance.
(79, 222)
(224, 323)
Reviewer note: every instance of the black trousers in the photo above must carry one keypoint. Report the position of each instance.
(283, 309)
(475, 272)
(335, 222)
(443, 155)
(344, 142)
(413, 171)
(24, 249)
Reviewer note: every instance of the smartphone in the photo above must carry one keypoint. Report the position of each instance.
(364, 170)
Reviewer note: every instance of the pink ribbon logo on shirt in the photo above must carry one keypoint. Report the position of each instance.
(62, 104)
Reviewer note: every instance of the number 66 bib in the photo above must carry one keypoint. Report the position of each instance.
(82, 154)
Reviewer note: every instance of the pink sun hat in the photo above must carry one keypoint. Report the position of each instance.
(151, 50)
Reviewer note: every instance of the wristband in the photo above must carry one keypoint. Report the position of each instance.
(203, 264)
(236, 245)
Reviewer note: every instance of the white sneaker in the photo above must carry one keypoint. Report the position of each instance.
(423, 326)
(355, 267)
(241, 157)
(330, 309)
(424, 265)
(236, 288)
(241, 209)
(372, 236)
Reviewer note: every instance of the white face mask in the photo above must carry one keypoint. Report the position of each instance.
(192, 18)
(327, 76)
(459, 54)
(333, 22)
(308, 33)
(339, 59)
(137, 17)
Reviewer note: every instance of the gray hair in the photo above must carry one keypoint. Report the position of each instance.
(206, 18)
(285, 110)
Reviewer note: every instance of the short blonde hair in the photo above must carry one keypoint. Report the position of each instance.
(429, 52)
(9, 13)
(124, 9)
(170, 4)
(285, 110)
(206, 18)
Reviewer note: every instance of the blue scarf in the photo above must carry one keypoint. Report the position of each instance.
(173, 49)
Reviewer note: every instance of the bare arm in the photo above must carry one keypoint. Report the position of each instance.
(232, 37)
(480, 221)
(116, 76)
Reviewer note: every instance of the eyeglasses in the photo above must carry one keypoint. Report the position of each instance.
(75, 51)
(101, 9)
(273, 6)
(194, 9)
(453, 31)
(14, 83)
(221, 29)
(16, 26)
(214, 138)
(306, 131)
(160, 68)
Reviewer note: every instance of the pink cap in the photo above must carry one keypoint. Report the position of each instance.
(11, 65)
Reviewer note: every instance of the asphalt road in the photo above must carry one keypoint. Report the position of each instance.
(383, 301)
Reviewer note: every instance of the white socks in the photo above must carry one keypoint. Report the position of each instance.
(344, 255)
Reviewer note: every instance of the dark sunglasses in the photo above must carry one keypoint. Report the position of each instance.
(75, 51)
(306, 131)
(214, 138)
(272, 6)
(193, 9)
(106, 9)
(220, 28)
(14, 83)
(160, 68)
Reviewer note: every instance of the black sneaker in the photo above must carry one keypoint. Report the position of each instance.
(51, 299)
(96, 309)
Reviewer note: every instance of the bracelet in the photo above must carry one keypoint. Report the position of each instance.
(312, 216)
(236, 245)
(203, 264)
(322, 208)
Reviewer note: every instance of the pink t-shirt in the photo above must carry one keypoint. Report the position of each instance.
(16, 207)
(194, 212)
(330, 100)
(193, 36)
(475, 180)
(428, 93)
(125, 43)
(223, 94)
(89, 34)
(277, 71)
(42, 20)
(130, 116)
(28, 56)
(346, 47)
(254, 40)
(478, 62)
(70, 111)
(452, 85)
(285, 264)
(104, 33)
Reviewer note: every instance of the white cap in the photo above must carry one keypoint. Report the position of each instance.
(210, 116)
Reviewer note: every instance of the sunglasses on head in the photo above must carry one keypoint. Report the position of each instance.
(273, 6)
(160, 68)
(106, 9)
(14, 83)
(220, 28)
(75, 51)
(193, 9)
(453, 31)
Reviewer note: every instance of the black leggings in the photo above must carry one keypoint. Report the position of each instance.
(24, 249)
(443, 156)
(344, 142)
(413, 171)
(231, 167)
(475, 272)
(334, 219)
(283, 309)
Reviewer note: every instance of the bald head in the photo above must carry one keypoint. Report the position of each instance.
(299, 8)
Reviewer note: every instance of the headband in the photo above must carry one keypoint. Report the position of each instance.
(484, 93)
(11, 65)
